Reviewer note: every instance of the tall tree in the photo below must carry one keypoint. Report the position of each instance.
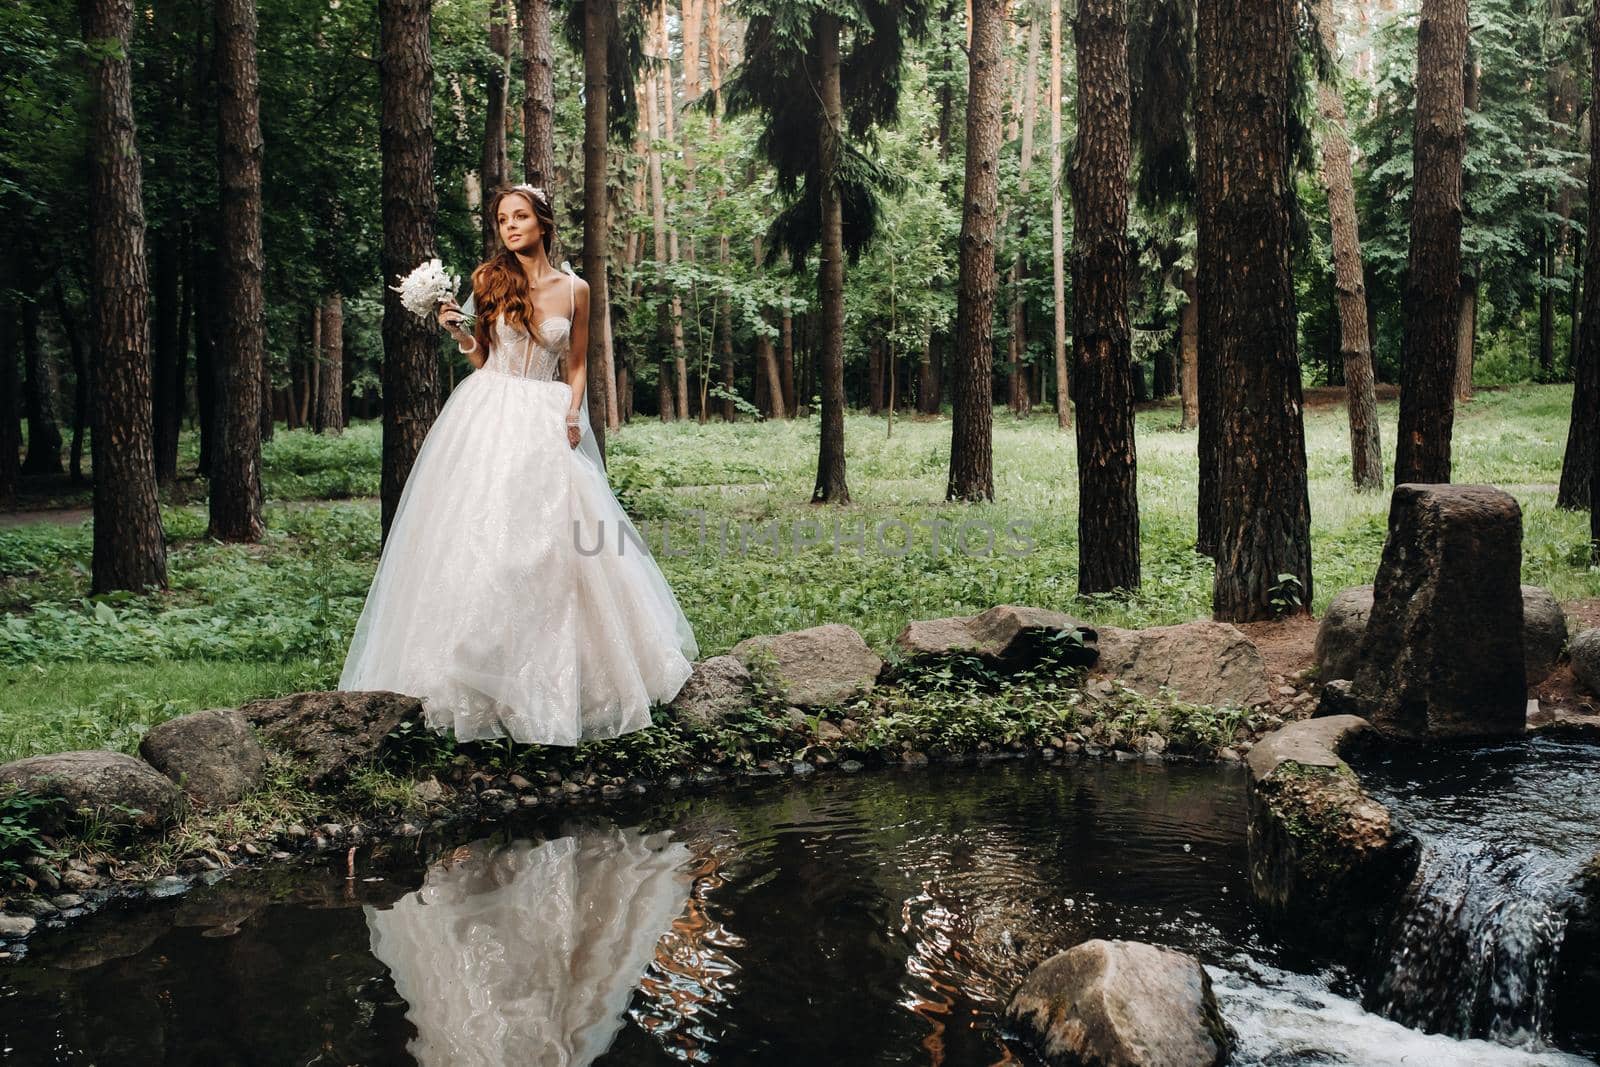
(599, 29)
(329, 409)
(129, 552)
(1021, 394)
(39, 391)
(236, 470)
(1108, 499)
(799, 58)
(1245, 71)
(1467, 301)
(494, 168)
(539, 100)
(1577, 469)
(10, 382)
(1057, 227)
(971, 424)
(1431, 297)
(666, 395)
(667, 102)
(410, 346)
(1366, 454)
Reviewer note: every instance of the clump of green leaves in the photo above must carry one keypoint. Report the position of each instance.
(21, 839)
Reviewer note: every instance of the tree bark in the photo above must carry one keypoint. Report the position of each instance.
(668, 104)
(972, 422)
(330, 381)
(830, 487)
(1245, 52)
(539, 100)
(1467, 310)
(10, 428)
(40, 390)
(1355, 347)
(494, 168)
(1057, 227)
(1189, 355)
(167, 372)
(1108, 499)
(80, 387)
(410, 347)
(786, 363)
(129, 550)
(236, 473)
(599, 20)
(658, 210)
(1021, 395)
(1577, 466)
(1431, 295)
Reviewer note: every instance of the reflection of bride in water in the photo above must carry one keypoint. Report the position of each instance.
(528, 953)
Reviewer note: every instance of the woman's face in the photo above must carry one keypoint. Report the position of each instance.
(519, 226)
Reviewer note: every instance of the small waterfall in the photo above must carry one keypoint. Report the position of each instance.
(1504, 829)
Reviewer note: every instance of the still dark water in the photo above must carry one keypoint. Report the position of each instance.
(882, 919)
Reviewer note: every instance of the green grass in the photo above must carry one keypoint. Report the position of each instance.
(241, 621)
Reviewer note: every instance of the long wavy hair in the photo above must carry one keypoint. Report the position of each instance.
(499, 285)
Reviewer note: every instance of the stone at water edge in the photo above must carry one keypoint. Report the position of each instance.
(1344, 624)
(717, 687)
(1442, 655)
(332, 733)
(212, 755)
(1584, 651)
(1209, 663)
(819, 667)
(1121, 1004)
(1008, 634)
(112, 788)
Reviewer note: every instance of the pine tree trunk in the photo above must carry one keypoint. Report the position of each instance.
(236, 473)
(668, 104)
(1246, 68)
(1189, 355)
(1058, 227)
(830, 487)
(1577, 466)
(167, 372)
(10, 389)
(1108, 499)
(658, 206)
(1021, 396)
(1355, 346)
(129, 551)
(40, 390)
(786, 362)
(494, 168)
(330, 382)
(80, 386)
(972, 422)
(1432, 289)
(599, 20)
(410, 346)
(1467, 310)
(539, 101)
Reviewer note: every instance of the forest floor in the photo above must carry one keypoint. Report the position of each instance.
(726, 510)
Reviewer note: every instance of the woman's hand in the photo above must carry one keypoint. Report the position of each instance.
(450, 318)
(574, 435)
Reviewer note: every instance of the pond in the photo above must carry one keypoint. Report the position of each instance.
(875, 919)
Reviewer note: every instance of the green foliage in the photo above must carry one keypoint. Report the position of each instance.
(21, 839)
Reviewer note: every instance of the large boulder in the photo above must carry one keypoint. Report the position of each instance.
(1442, 656)
(1208, 663)
(1327, 861)
(1344, 624)
(1121, 1004)
(107, 788)
(212, 755)
(1008, 635)
(716, 687)
(820, 667)
(332, 733)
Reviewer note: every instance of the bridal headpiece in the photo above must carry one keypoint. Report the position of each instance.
(534, 191)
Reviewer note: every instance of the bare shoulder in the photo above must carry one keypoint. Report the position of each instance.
(579, 286)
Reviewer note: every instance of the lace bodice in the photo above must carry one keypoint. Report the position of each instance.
(515, 351)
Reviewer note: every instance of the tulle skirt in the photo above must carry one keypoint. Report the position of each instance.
(513, 596)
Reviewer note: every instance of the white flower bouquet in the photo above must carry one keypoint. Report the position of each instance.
(424, 289)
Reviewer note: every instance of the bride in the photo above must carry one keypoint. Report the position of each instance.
(491, 602)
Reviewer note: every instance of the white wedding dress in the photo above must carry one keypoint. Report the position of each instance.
(525, 955)
(513, 596)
